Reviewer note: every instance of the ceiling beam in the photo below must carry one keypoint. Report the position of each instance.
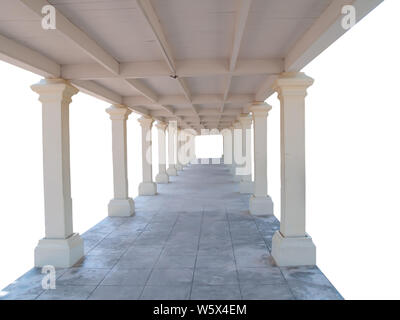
(155, 25)
(240, 25)
(266, 88)
(111, 67)
(94, 89)
(28, 59)
(326, 29)
(185, 68)
(77, 36)
(182, 101)
(143, 89)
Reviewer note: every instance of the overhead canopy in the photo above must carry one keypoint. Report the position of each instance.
(201, 62)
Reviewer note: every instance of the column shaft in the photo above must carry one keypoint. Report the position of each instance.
(60, 247)
(172, 127)
(121, 204)
(291, 245)
(227, 136)
(238, 160)
(147, 187)
(162, 176)
(260, 203)
(246, 184)
(178, 150)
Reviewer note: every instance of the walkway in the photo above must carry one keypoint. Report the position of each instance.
(195, 240)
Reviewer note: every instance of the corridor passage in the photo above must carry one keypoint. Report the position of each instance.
(194, 240)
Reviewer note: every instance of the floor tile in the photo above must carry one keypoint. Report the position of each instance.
(82, 276)
(172, 276)
(218, 292)
(266, 275)
(176, 261)
(172, 292)
(202, 242)
(215, 276)
(67, 292)
(266, 292)
(116, 293)
(127, 277)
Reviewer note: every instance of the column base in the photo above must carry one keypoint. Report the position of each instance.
(171, 171)
(61, 253)
(261, 206)
(179, 167)
(293, 251)
(147, 189)
(162, 177)
(246, 187)
(121, 208)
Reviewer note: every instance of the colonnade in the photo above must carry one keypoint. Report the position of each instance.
(291, 245)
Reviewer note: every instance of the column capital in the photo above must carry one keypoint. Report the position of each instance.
(161, 125)
(245, 120)
(146, 122)
(54, 90)
(237, 125)
(118, 112)
(260, 109)
(293, 84)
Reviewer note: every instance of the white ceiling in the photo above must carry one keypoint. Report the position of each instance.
(225, 54)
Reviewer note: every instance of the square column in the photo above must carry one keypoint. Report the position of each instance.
(192, 150)
(246, 184)
(184, 148)
(260, 202)
(147, 187)
(232, 164)
(162, 176)
(172, 127)
(121, 205)
(227, 138)
(60, 247)
(237, 150)
(291, 246)
(178, 150)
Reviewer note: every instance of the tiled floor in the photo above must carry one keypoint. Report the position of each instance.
(194, 240)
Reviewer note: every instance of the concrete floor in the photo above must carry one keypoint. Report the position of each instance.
(194, 240)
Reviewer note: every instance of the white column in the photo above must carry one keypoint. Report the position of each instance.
(162, 176)
(237, 142)
(60, 247)
(246, 184)
(227, 136)
(223, 148)
(121, 205)
(193, 159)
(232, 165)
(147, 187)
(291, 245)
(184, 148)
(260, 202)
(178, 150)
(171, 171)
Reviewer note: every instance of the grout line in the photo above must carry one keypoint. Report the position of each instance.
(234, 256)
(133, 217)
(197, 253)
(158, 258)
(280, 270)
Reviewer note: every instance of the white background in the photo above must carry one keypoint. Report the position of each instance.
(353, 159)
